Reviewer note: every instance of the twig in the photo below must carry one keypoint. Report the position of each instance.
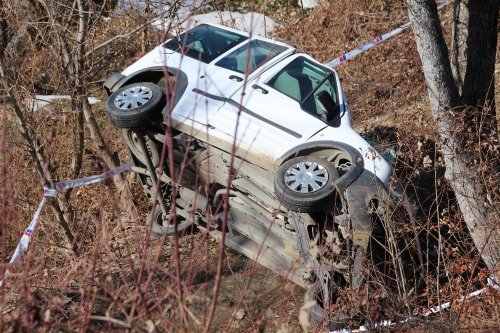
(111, 320)
(111, 40)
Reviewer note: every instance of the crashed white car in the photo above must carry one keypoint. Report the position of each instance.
(249, 138)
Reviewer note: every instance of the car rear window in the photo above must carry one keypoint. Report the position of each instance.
(250, 56)
(204, 42)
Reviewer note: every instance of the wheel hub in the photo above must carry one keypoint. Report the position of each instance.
(133, 98)
(306, 177)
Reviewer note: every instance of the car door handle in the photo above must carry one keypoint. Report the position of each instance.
(235, 78)
(264, 91)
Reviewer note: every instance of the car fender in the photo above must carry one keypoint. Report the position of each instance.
(359, 196)
(309, 147)
(150, 74)
(111, 83)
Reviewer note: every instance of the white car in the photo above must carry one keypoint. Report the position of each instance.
(225, 119)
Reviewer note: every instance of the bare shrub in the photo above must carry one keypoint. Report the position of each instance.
(125, 279)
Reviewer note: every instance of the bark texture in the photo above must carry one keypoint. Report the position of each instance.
(474, 45)
(449, 102)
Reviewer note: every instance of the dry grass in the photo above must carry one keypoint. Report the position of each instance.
(123, 279)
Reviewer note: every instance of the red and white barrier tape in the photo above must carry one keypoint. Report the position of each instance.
(379, 39)
(424, 312)
(49, 192)
(61, 186)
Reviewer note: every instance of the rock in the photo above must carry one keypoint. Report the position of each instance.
(238, 315)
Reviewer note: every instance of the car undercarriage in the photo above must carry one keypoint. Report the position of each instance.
(219, 193)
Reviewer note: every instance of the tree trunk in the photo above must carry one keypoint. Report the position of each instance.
(60, 205)
(474, 44)
(447, 111)
(124, 193)
(78, 69)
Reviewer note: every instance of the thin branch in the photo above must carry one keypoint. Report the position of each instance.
(111, 320)
(111, 40)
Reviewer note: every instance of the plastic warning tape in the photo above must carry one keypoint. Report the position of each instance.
(65, 185)
(423, 312)
(50, 192)
(26, 237)
(377, 40)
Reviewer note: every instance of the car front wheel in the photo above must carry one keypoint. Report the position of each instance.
(305, 183)
(135, 105)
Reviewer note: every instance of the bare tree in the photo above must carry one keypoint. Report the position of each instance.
(461, 94)
(65, 30)
(42, 167)
(65, 33)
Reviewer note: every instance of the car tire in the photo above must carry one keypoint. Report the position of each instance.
(312, 191)
(161, 225)
(316, 314)
(135, 105)
(131, 139)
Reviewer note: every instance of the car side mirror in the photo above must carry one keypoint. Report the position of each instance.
(331, 109)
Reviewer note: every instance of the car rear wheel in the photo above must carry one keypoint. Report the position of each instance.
(135, 105)
(305, 183)
(132, 141)
(165, 225)
(316, 312)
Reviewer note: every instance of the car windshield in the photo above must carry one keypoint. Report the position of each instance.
(250, 56)
(204, 42)
(303, 80)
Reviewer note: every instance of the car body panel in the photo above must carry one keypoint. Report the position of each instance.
(247, 116)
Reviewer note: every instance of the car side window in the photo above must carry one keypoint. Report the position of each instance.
(250, 56)
(204, 42)
(311, 103)
(302, 80)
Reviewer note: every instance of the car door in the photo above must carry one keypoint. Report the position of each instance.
(228, 73)
(266, 116)
(194, 52)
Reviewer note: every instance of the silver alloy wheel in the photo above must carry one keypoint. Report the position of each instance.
(133, 98)
(306, 177)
